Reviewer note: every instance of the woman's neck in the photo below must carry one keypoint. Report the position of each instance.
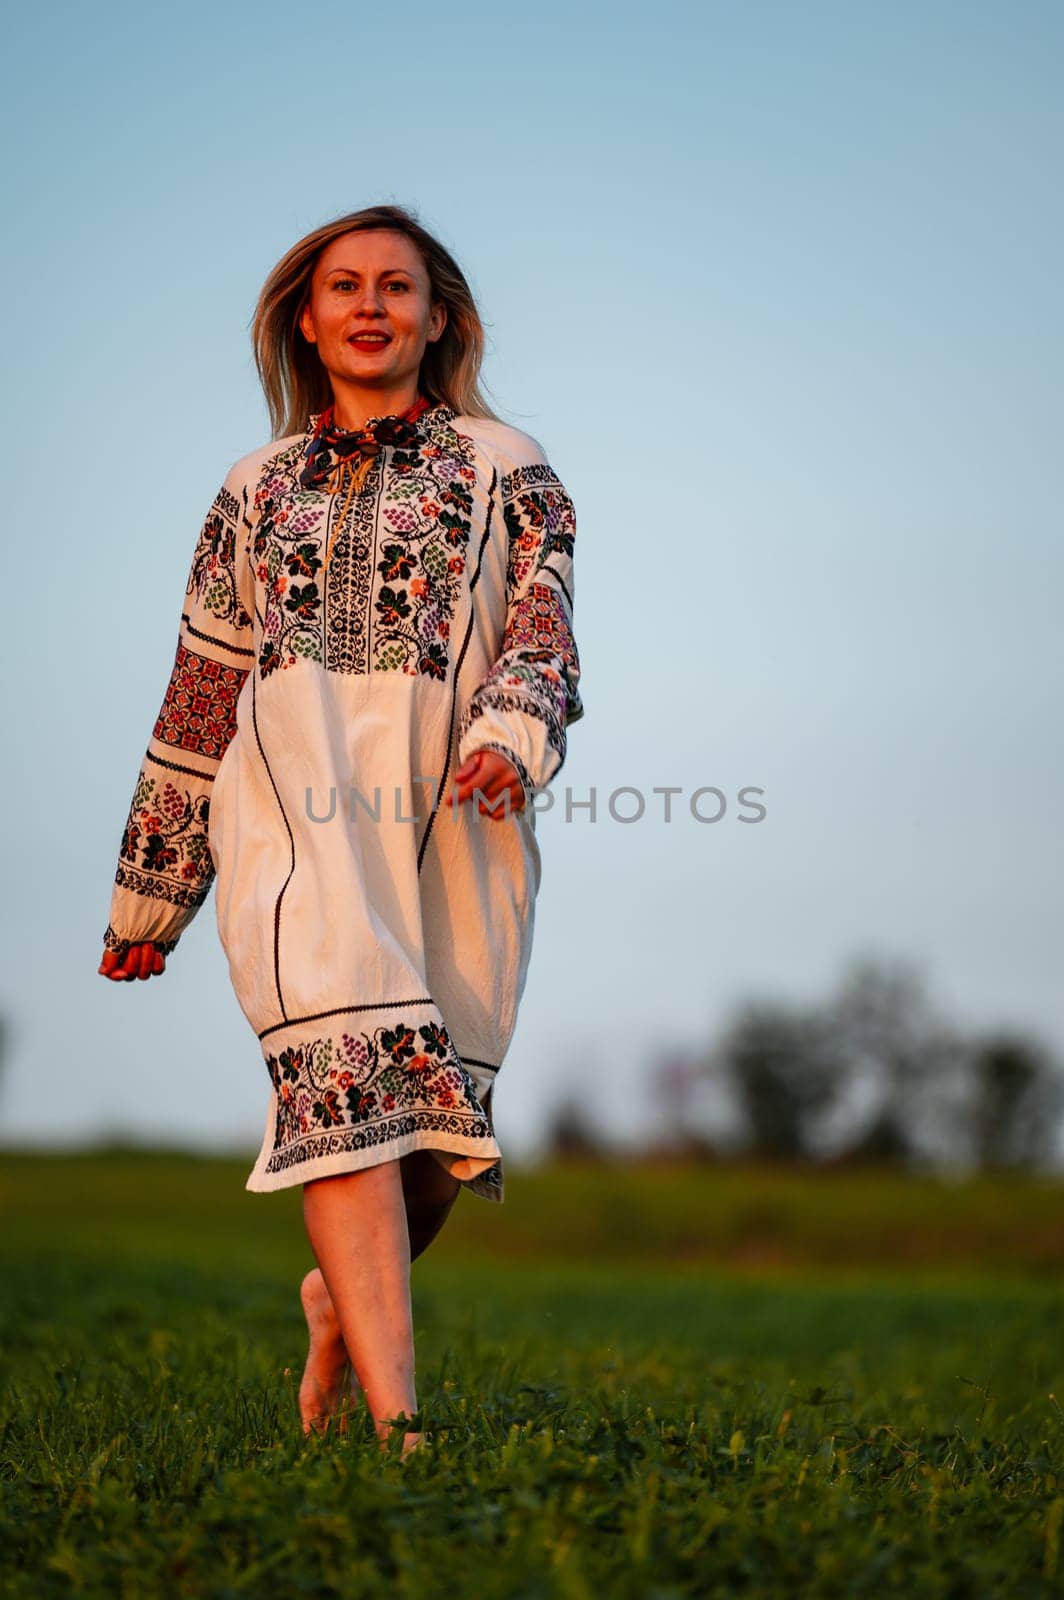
(353, 408)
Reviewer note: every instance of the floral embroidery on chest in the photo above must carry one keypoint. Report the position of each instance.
(387, 600)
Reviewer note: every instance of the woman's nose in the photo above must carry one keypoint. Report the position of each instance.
(370, 300)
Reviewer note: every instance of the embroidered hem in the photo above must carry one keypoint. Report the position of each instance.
(482, 1174)
(365, 1084)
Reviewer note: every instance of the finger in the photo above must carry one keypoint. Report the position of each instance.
(507, 773)
(500, 779)
(493, 799)
(159, 964)
(465, 790)
(511, 804)
(470, 764)
(517, 799)
(128, 969)
(496, 778)
(145, 960)
(465, 778)
(484, 767)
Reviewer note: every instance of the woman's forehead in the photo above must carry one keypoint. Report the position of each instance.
(379, 247)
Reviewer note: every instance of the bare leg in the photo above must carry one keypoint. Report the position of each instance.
(356, 1223)
(429, 1192)
(328, 1373)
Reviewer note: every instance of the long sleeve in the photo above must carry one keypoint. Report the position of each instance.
(164, 866)
(530, 696)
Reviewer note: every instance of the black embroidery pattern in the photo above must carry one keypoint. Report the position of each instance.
(369, 1088)
(121, 947)
(213, 574)
(395, 574)
(164, 853)
(538, 474)
(533, 702)
(368, 1136)
(287, 553)
(350, 579)
(538, 670)
(541, 522)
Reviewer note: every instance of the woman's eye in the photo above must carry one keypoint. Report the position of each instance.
(349, 283)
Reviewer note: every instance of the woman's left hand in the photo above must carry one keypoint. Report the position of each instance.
(490, 772)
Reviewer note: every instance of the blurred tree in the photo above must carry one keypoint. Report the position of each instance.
(1016, 1101)
(896, 1055)
(874, 1074)
(785, 1071)
(571, 1132)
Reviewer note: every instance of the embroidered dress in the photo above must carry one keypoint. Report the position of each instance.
(339, 657)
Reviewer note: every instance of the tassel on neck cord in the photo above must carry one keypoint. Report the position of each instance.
(356, 477)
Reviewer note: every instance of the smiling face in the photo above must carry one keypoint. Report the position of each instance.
(365, 284)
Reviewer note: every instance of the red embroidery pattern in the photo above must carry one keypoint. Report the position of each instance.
(199, 711)
(537, 622)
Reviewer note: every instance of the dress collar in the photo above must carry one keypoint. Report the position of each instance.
(440, 412)
(330, 448)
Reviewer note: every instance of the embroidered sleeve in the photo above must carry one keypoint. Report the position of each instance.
(164, 864)
(531, 695)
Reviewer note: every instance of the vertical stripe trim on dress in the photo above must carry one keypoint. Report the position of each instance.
(292, 848)
(458, 665)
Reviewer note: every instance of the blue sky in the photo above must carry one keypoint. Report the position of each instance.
(777, 286)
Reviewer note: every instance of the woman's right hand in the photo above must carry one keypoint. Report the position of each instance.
(139, 961)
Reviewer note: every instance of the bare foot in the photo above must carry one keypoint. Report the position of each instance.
(411, 1443)
(322, 1391)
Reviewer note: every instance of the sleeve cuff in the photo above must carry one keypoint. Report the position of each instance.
(121, 947)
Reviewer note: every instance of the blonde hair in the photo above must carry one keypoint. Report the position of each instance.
(293, 379)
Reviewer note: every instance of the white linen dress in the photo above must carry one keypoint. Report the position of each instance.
(378, 939)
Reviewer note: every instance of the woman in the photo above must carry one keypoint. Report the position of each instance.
(377, 631)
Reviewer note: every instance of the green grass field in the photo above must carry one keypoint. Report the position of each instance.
(715, 1381)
